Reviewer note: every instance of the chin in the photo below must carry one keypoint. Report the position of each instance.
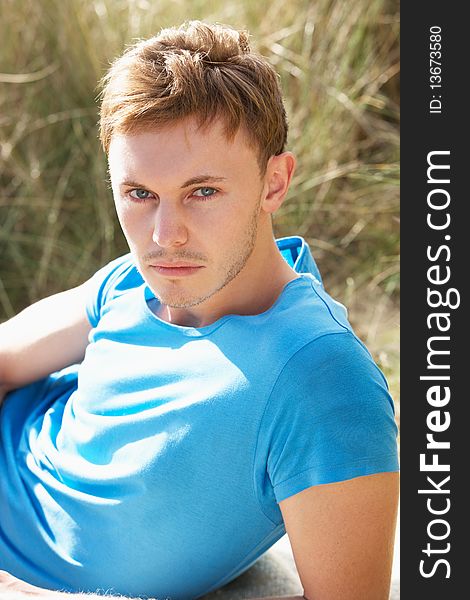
(186, 294)
(178, 298)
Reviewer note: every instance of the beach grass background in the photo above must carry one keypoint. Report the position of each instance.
(339, 69)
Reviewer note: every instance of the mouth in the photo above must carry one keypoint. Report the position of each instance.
(176, 269)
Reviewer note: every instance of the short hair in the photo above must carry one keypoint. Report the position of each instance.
(198, 69)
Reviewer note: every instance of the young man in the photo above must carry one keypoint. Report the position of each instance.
(206, 394)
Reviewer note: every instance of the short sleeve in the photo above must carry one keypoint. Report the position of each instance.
(329, 418)
(110, 280)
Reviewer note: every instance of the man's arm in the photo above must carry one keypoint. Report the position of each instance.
(342, 537)
(43, 338)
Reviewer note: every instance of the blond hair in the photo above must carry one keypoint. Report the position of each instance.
(202, 70)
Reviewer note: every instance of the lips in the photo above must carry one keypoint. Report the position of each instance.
(176, 269)
(176, 265)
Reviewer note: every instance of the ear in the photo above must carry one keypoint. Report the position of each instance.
(278, 176)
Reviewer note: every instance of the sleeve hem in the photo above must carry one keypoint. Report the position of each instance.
(319, 475)
(344, 332)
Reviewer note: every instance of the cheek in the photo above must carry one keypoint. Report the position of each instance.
(222, 221)
(233, 224)
(135, 223)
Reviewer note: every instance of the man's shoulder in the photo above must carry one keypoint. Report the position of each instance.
(111, 281)
(308, 312)
(305, 329)
(319, 335)
(311, 311)
(121, 274)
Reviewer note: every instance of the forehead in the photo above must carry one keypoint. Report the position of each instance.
(181, 151)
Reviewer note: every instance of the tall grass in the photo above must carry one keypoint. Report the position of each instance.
(338, 63)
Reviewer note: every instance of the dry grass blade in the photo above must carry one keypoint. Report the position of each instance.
(28, 77)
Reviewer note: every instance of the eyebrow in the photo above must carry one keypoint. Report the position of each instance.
(192, 181)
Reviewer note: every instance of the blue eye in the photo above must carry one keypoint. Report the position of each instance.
(205, 192)
(139, 194)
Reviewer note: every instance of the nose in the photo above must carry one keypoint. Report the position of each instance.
(169, 228)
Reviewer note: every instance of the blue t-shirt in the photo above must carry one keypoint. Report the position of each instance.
(155, 467)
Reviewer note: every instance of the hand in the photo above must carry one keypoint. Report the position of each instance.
(12, 588)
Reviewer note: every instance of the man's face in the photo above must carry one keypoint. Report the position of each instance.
(188, 201)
